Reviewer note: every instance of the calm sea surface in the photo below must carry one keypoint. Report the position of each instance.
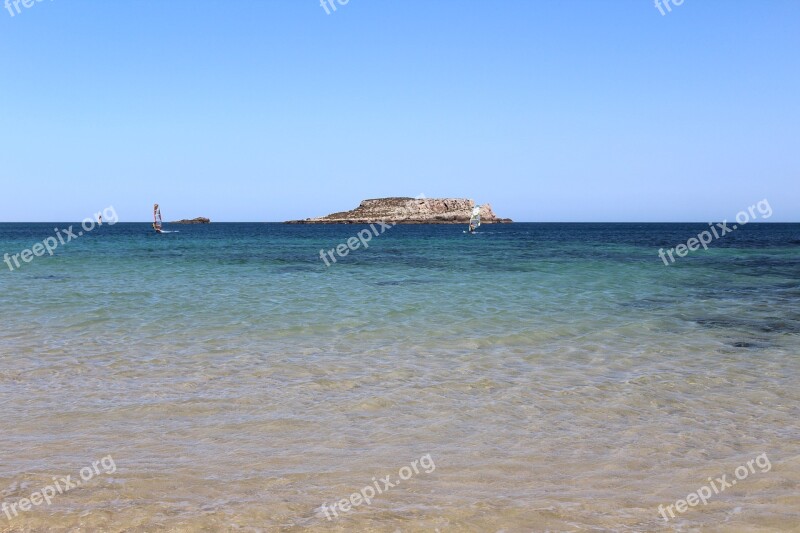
(552, 377)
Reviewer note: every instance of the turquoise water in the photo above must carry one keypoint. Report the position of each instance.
(560, 376)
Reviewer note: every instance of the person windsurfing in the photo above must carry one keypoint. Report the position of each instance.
(156, 218)
(475, 220)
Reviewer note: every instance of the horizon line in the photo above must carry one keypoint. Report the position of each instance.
(287, 222)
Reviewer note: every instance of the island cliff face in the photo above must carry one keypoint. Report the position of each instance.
(198, 220)
(409, 211)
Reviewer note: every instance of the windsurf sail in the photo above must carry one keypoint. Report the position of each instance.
(475, 220)
(157, 222)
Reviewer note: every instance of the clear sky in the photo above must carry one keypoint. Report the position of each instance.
(557, 110)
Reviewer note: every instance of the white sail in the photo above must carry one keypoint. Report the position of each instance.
(157, 222)
(475, 220)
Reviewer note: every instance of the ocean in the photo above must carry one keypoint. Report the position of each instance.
(530, 377)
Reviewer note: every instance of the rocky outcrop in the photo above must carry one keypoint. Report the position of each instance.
(198, 220)
(409, 211)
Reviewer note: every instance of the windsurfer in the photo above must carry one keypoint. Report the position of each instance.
(475, 220)
(157, 218)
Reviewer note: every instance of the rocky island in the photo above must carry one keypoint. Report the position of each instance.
(409, 211)
(198, 220)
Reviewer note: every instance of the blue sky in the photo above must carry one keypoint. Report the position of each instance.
(569, 110)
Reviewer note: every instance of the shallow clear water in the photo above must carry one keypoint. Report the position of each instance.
(560, 376)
